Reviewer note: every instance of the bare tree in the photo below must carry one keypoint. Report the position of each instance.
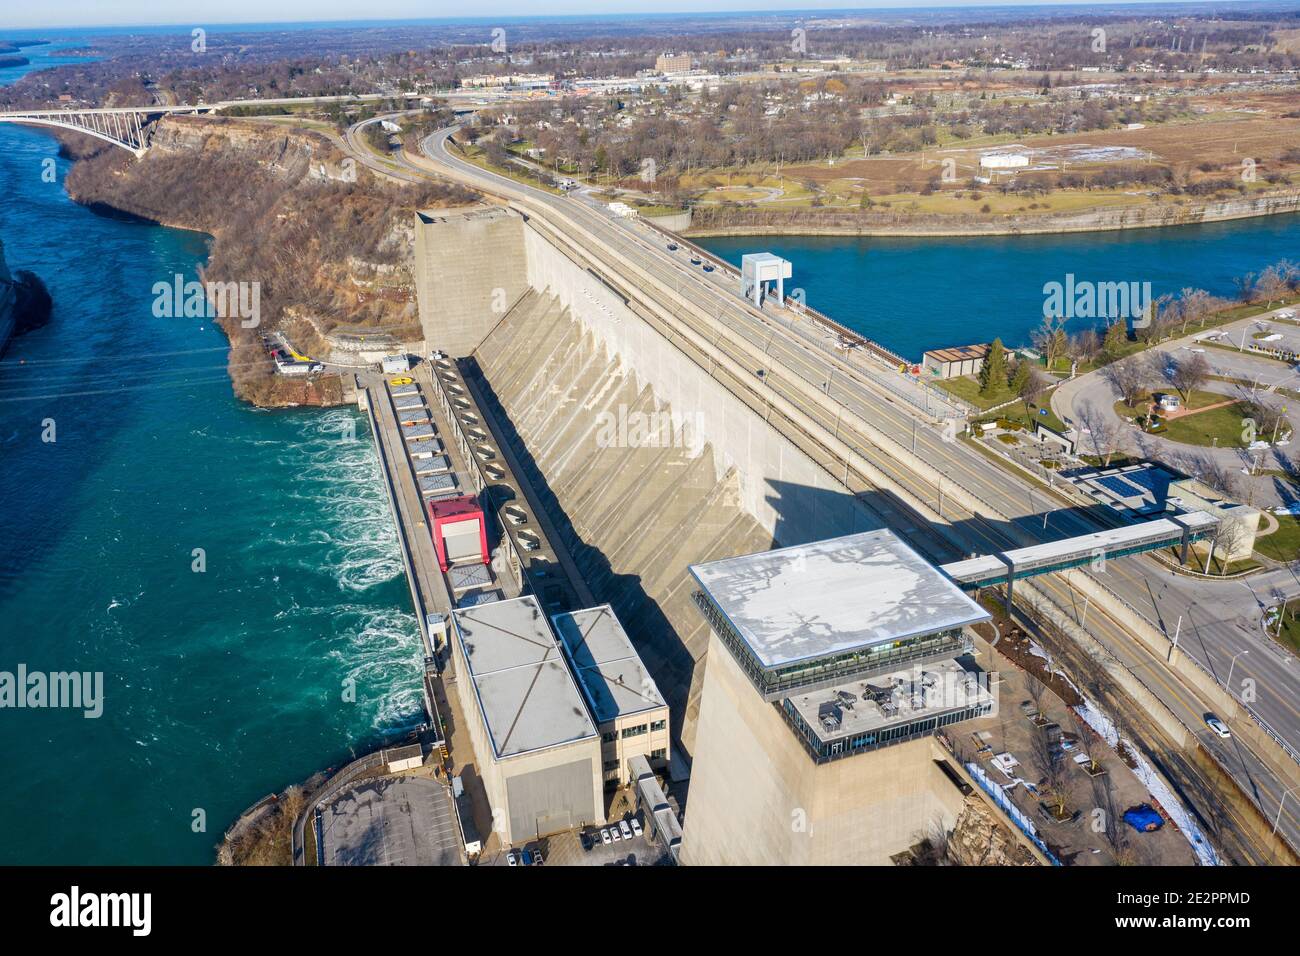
(1103, 432)
(1194, 305)
(1128, 376)
(1189, 374)
(1083, 346)
(1033, 387)
(1050, 339)
(1087, 740)
(1229, 537)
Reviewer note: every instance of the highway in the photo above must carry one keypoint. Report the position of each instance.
(1219, 619)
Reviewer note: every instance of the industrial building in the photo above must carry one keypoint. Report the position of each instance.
(956, 361)
(630, 713)
(538, 748)
(831, 666)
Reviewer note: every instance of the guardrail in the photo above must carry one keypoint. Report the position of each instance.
(332, 786)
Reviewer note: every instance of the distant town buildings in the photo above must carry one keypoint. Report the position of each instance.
(673, 63)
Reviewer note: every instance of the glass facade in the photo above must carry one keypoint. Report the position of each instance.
(775, 683)
(822, 751)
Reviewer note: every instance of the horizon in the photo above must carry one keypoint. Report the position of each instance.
(315, 13)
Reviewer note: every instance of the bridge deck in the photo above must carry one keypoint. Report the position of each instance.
(1074, 552)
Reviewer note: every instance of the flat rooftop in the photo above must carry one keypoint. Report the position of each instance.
(525, 692)
(831, 597)
(608, 667)
(886, 700)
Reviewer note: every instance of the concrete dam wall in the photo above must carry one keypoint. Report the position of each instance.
(645, 462)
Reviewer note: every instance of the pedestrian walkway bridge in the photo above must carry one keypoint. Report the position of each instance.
(1007, 566)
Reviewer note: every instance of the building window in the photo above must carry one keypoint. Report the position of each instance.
(636, 731)
(658, 724)
(611, 765)
(660, 754)
(608, 737)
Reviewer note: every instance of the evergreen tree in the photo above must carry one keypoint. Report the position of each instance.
(993, 373)
(1116, 339)
(1020, 377)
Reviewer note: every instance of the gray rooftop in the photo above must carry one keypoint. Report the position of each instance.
(831, 597)
(607, 665)
(874, 703)
(525, 692)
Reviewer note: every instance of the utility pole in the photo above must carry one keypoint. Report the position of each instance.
(1228, 682)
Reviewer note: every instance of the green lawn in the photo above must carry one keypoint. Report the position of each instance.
(1221, 427)
(968, 388)
(1289, 632)
(1284, 543)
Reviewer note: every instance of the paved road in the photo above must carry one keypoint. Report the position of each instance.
(1264, 375)
(1016, 513)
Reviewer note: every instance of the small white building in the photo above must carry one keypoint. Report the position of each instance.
(392, 364)
(1004, 161)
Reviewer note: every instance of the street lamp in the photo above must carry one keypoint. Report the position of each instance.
(1228, 682)
(1279, 806)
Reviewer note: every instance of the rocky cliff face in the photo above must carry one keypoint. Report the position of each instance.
(326, 244)
(24, 302)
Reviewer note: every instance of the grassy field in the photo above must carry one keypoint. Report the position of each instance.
(1289, 631)
(1217, 427)
(1284, 543)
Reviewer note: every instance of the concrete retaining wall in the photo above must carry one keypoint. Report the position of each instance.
(789, 495)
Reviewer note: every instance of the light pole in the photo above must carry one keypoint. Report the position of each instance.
(1228, 682)
(1278, 819)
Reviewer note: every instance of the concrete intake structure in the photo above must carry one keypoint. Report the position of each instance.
(646, 461)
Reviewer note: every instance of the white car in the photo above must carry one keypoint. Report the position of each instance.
(613, 831)
(511, 860)
(1218, 726)
(605, 837)
(625, 829)
(636, 826)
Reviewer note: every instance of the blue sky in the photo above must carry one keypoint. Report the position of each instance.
(67, 13)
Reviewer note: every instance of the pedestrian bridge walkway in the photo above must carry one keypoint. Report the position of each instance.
(1006, 566)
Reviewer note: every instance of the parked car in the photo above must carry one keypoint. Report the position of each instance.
(1218, 726)
(625, 829)
(528, 858)
(613, 832)
(604, 836)
(537, 858)
(672, 247)
(636, 826)
(707, 267)
(695, 260)
(510, 858)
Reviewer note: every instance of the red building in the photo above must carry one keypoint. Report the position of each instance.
(459, 531)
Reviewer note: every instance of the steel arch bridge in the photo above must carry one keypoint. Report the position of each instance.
(127, 127)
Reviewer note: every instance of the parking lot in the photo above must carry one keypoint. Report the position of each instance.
(392, 821)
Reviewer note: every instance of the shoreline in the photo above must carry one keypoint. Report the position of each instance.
(1107, 220)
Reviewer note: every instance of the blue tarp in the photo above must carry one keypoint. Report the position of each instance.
(1143, 818)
